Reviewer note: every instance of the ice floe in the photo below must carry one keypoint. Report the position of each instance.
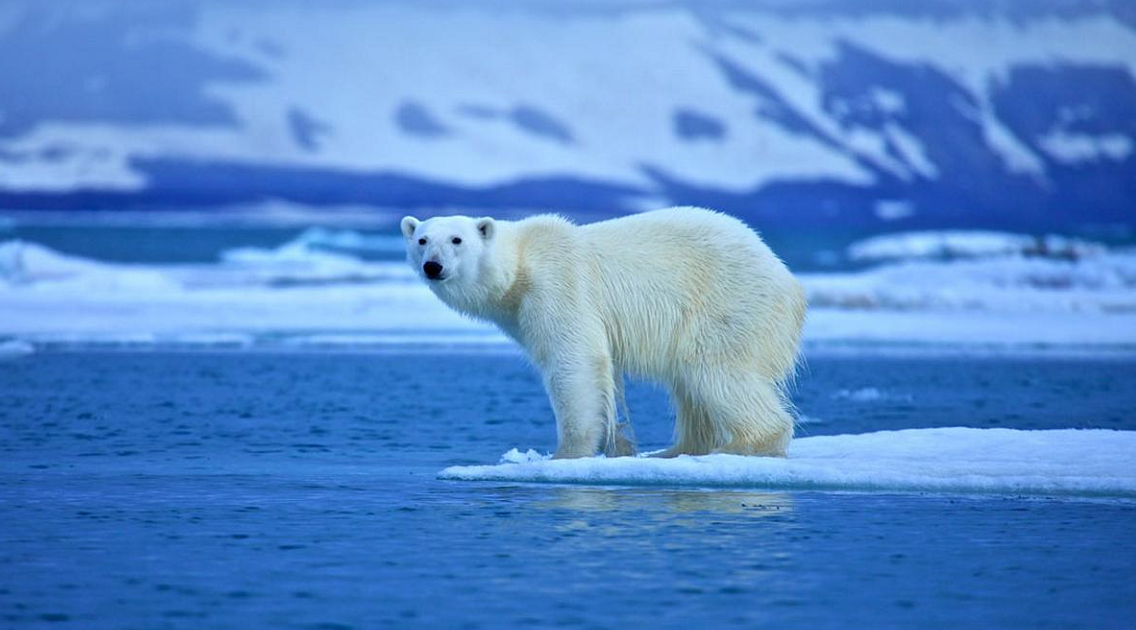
(1093, 462)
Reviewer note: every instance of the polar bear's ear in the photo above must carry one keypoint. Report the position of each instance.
(486, 227)
(408, 225)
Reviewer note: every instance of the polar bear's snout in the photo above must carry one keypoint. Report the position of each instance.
(432, 269)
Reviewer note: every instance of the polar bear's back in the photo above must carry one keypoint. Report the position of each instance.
(685, 285)
(706, 235)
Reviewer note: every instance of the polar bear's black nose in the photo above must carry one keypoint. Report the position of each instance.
(433, 270)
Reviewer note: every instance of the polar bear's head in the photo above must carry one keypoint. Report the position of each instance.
(447, 249)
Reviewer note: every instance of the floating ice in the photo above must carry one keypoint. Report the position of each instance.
(1093, 462)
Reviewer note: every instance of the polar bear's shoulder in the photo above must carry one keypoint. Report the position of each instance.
(542, 235)
(681, 218)
(542, 225)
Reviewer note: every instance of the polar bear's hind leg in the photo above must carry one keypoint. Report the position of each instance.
(746, 411)
(694, 432)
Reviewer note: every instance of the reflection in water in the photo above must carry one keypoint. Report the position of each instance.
(661, 515)
(663, 531)
(671, 502)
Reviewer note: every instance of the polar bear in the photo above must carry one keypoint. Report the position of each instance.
(688, 297)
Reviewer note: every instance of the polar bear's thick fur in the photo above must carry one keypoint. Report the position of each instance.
(684, 296)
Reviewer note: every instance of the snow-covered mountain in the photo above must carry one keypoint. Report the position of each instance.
(907, 114)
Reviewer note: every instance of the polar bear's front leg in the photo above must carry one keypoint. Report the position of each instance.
(581, 389)
(569, 344)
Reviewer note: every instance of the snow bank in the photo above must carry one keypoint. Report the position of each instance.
(314, 292)
(955, 460)
(311, 258)
(948, 244)
(1007, 284)
(975, 287)
(252, 295)
(321, 247)
(300, 261)
(24, 264)
(351, 240)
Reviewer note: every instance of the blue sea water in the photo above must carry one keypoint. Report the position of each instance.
(262, 489)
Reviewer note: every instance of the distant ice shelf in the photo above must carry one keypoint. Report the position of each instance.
(947, 460)
(315, 291)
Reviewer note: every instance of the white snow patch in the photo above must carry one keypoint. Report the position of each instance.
(911, 150)
(893, 209)
(952, 460)
(1073, 148)
(515, 456)
(1016, 156)
(888, 101)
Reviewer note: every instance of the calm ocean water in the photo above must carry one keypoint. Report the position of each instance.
(252, 489)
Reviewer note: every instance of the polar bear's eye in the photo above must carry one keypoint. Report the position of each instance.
(421, 241)
(456, 240)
